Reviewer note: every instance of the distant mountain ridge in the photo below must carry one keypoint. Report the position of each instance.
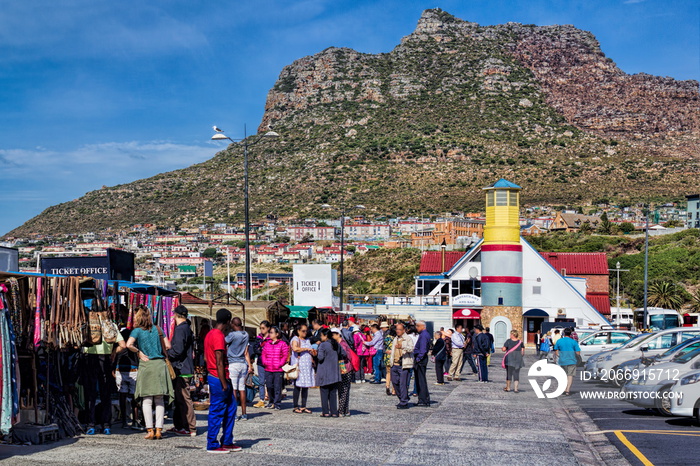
(422, 128)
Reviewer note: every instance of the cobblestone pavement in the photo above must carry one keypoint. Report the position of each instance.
(469, 423)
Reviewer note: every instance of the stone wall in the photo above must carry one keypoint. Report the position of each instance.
(513, 313)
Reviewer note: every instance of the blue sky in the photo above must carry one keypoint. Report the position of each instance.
(97, 93)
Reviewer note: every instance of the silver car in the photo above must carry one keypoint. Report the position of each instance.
(605, 367)
(652, 387)
(603, 340)
(629, 368)
(688, 402)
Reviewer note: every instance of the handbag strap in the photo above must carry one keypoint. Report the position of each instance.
(503, 362)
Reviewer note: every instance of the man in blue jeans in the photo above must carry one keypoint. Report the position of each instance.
(377, 342)
(222, 403)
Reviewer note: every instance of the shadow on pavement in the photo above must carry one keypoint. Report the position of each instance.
(8, 451)
(682, 422)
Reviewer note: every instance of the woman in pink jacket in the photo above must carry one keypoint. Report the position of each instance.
(275, 354)
(363, 352)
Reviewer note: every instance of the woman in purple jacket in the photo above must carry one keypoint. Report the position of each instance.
(275, 354)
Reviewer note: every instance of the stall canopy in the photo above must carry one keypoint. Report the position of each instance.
(300, 312)
(466, 314)
(535, 313)
(143, 288)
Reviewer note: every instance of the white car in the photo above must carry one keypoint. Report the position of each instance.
(652, 387)
(687, 404)
(605, 367)
(603, 340)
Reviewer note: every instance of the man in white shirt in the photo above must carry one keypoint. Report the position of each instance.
(458, 342)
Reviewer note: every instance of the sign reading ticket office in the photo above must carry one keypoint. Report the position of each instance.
(313, 285)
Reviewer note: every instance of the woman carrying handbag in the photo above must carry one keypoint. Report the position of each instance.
(513, 360)
(439, 356)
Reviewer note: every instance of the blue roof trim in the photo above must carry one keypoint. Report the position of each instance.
(503, 183)
(565, 280)
(466, 257)
(430, 277)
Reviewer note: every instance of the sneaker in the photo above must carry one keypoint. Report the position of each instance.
(125, 425)
(233, 448)
(270, 406)
(193, 433)
(259, 404)
(172, 430)
(219, 451)
(243, 417)
(90, 431)
(183, 432)
(438, 383)
(107, 431)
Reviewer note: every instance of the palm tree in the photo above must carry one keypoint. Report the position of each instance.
(666, 295)
(694, 303)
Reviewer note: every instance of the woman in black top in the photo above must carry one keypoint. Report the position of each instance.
(439, 353)
(513, 360)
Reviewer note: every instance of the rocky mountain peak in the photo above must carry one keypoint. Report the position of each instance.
(423, 127)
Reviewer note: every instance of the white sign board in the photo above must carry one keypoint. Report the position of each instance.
(312, 285)
(466, 300)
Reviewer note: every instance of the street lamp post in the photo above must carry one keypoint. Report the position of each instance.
(221, 136)
(343, 210)
(618, 270)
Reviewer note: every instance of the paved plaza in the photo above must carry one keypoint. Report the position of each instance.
(469, 423)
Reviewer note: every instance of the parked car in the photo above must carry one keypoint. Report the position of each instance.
(603, 340)
(629, 368)
(605, 366)
(652, 387)
(687, 404)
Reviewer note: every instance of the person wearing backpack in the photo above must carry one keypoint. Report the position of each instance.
(545, 346)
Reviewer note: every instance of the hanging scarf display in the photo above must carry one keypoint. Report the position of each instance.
(9, 395)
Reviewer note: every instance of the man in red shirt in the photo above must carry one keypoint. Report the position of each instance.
(222, 403)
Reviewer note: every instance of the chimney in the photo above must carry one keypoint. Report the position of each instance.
(443, 246)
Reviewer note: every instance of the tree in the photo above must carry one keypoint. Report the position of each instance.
(606, 225)
(665, 294)
(694, 304)
(586, 228)
(209, 253)
(626, 227)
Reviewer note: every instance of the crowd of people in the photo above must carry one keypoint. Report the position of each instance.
(155, 370)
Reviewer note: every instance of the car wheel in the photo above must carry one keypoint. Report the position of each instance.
(663, 404)
(618, 382)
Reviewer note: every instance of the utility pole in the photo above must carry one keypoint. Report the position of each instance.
(646, 268)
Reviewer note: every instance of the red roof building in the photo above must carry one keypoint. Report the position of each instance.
(593, 266)
(431, 261)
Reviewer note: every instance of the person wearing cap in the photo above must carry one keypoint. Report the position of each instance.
(181, 358)
(377, 342)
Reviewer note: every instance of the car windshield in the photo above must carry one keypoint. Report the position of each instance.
(684, 358)
(637, 340)
(683, 348)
